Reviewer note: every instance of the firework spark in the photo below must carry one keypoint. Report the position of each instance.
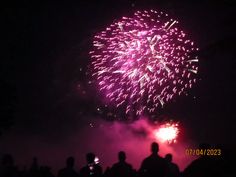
(167, 133)
(143, 61)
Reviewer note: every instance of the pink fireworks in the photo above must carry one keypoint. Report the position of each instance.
(167, 133)
(144, 61)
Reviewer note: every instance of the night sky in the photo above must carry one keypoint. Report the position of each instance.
(44, 58)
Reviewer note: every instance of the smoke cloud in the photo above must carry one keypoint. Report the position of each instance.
(103, 138)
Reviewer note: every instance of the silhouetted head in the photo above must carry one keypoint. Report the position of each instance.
(168, 157)
(35, 160)
(154, 148)
(70, 161)
(90, 157)
(7, 160)
(34, 165)
(122, 156)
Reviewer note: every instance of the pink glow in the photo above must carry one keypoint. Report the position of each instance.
(103, 138)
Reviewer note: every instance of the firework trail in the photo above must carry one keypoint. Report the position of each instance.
(144, 61)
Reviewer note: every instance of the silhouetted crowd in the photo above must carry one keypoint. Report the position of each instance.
(152, 166)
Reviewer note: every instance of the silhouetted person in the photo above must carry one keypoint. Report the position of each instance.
(34, 168)
(23, 172)
(91, 169)
(69, 170)
(173, 169)
(204, 166)
(7, 167)
(45, 171)
(107, 172)
(121, 168)
(154, 165)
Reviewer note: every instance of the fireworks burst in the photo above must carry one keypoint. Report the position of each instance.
(167, 133)
(143, 61)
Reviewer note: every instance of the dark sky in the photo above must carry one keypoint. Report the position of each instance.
(45, 57)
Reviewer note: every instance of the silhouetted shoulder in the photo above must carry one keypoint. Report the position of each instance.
(154, 165)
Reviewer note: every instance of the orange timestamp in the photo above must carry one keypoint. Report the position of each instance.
(203, 152)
